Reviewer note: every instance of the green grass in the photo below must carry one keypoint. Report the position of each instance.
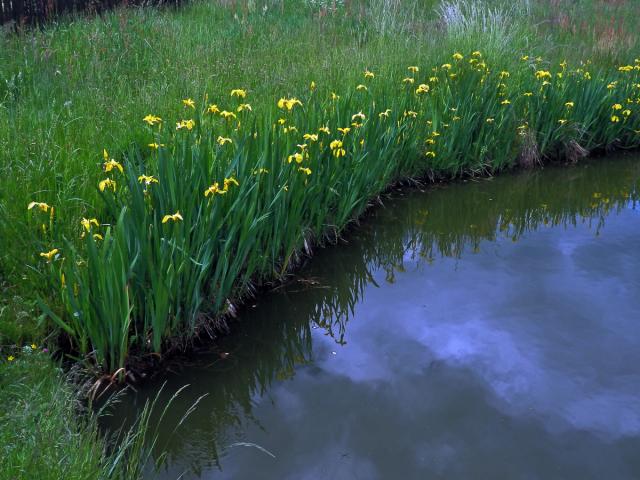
(47, 431)
(40, 433)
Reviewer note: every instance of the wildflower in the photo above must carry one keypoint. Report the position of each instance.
(212, 190)
(422, 88)
(569, 104)
(41, 205)
(227, 115)
(187, 102)
(175, 217)
(476, 54)
(413, 69)
(147, 179)
(152, 120)
(97, 236)
(334, 96)
(362, 87)
(563, 64)
(289, 129)
(356, 124)
(260, 171)
(87, 222)
(524, 58)
(223, 140)
(456, 118)
(626, 68)
(244, 106)
(34, 346)
(111, 164)
(359, 115)
(238, 93)
(213, 108)
(288, 103)
(446, 66)
(385, 114)
(490, 120)
(302, 146)
(368, 74)
(230, 181)
(188, 124)
(50, 255)
(297, 157)
(615, 118)
(433, 79)
(325, 129)
(410, 113)
(305, 170)
(562, 121)
(616, 106)
(542, 74)
(505, 102)
(344, 130)
(107, 183)
(282, 121)
(504, 74)
(409, 80)
(612, 85)
(430, 141)
(457, 56)
(626, 112)
(312, 86)
(11, 358)
(336, 148)
(311, 136)
(155, 146)
(431, 154)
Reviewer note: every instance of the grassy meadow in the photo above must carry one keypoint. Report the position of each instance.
(158, 164)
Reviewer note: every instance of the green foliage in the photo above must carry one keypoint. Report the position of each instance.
(84, 84)
(42, 436)
(231, 196)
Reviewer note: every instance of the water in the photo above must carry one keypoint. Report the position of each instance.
(484, 329)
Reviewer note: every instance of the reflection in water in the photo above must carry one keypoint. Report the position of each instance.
(430, 342)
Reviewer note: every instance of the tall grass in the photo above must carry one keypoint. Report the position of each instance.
(42, 436)
(223, 197)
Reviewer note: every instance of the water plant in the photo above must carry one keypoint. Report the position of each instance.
(225, 197)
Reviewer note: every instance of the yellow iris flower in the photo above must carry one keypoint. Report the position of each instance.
(87, 222)
(50, 255)
(107, 183)
(152, 119)
(175, 217)
(147, 179)
(40, 205)
(238, 93)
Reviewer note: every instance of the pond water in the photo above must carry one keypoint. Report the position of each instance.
(485, 329)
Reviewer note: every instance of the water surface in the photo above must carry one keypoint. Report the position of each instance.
(485, 329)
